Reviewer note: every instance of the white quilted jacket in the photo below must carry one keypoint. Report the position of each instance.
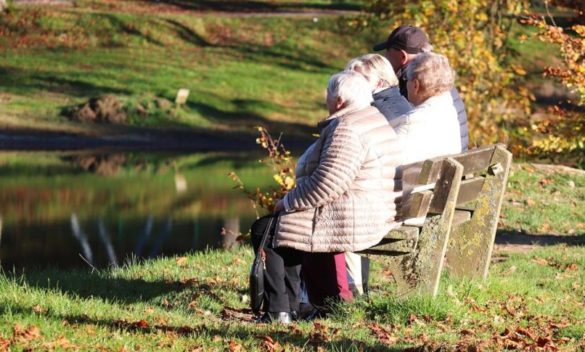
(347, 186)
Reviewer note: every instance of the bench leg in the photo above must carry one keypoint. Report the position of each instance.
(471, 243)
(420, 271)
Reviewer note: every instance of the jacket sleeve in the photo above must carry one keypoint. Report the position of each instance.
(340, 161)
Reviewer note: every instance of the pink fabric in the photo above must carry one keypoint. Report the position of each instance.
(325, 277)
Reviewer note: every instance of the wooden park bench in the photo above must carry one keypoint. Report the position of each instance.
(459, 197)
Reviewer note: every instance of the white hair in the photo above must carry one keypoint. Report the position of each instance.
(376, 69)
(433, 73)
(353, 89)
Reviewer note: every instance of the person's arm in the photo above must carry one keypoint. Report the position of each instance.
(341, 159)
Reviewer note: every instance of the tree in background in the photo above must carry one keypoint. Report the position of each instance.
(561, 133)
(472, 34)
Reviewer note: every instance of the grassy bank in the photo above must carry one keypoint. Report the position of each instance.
(241, 70)
(198, 302)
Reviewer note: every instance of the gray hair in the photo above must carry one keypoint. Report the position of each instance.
(375, 68)
(351, 87)
(433, 72)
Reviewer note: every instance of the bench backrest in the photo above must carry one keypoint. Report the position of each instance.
(478, 204)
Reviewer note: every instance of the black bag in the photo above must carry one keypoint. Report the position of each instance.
(257, 272)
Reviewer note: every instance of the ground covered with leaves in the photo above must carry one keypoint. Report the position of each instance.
(532, 299)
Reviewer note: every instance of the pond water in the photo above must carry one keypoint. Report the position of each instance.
(72, 210)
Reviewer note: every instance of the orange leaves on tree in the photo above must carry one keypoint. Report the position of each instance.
(280, 161)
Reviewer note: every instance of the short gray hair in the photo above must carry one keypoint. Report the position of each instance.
(351, 87)
(433, 72)
(375, 68)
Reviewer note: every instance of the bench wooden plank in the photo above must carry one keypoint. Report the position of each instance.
(470, 190)
(460, 217)
(473, 161)
(417, 205)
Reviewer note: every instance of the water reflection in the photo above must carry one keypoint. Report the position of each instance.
(104, 209)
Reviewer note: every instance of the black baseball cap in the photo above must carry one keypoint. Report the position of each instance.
(408, 38)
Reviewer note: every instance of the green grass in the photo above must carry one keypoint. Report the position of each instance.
(199, 301)
(240, 71)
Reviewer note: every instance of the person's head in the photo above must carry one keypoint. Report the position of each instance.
(376, 69)
(428, 75)
(348, 89)
(403, 45)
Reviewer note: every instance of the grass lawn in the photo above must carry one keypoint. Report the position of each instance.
(198, 302)
(241, 71)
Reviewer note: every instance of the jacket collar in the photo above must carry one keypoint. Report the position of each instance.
(339, 114)
(386, 93)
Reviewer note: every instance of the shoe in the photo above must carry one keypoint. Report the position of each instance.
(294, 315)
(276, 317)
(315, 314)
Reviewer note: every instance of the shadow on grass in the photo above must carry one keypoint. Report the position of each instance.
(511, 237)
(20, 81)
(245, 332)
(257, 6)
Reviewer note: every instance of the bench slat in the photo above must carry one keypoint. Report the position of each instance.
(470, 190)
(417, 205)
(397, 242)
(460, 217)
(473, 161)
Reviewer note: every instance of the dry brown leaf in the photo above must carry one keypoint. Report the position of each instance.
(234, 346)
(572, 267)
(270, 344)
(38, 309)
(467, 332)
(60, 343)
(4, 344)
(383, 335)
(540, 261)
(511, 310)
(525, 332)
(30, 333)
(182, 261)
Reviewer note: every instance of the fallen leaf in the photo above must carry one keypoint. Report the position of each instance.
(525, 332)
(572, 267)
(383, 335)
(467, 332)
(4, 344)
(30, 333)
(182, 261)
(234, 346)
(38, 309)
(270, 344)
(540, 261)
(61, 342)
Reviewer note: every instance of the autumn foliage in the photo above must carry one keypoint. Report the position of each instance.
(475, 35)
(280, 161)
(472, 34)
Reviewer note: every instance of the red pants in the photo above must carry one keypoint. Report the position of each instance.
(325, 277)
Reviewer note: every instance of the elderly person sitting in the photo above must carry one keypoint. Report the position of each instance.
(343, 201)
(384, 84)
(431, 129)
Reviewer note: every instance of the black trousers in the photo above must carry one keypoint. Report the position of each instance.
(282, 281)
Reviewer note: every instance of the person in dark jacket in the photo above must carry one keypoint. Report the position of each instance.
(386, 93)
(403, 45)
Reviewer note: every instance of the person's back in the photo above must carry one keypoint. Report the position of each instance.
(361, 215)
(429, 130)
